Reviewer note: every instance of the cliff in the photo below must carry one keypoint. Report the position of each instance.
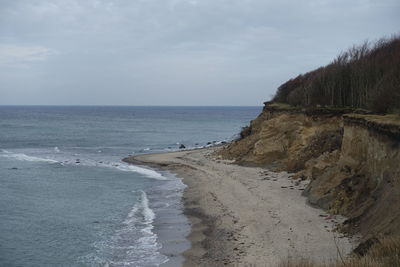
(351, 157)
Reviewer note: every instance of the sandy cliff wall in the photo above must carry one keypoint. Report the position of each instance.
(285, 140)
(353, 161)
(361, 180)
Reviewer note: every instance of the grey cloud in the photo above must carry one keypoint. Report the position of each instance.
(172, 52)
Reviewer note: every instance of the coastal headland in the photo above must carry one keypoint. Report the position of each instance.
(248, 216)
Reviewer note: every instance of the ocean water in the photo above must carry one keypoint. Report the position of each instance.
(67, 199)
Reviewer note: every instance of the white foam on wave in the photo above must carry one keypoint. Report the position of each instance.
(141, 170)
(59, 157)
(121, 166)
(146, 248)
(143, 209)
(147, 211)
(135, 244)
(24, 157)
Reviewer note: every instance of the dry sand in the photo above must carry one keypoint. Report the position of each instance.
(247, 216)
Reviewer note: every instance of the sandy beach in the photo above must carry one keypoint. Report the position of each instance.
(247, 216)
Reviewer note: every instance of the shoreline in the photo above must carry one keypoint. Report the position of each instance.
(199, 221)
(247, 215)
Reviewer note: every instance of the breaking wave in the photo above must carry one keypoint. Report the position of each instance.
(134, 244)
(24, 157)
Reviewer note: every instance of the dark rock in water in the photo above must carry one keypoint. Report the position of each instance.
(223, 142)
(196, 144)
(100, 162)
(214, 142)
(209, 143)
(14, 168)
(182, 146)
(96, 222)
(77, 161)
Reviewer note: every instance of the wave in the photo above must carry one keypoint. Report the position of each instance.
(141, 170)
(141, 211)
(84, 162)
(134, 244)
(24, 157)
(119, 166)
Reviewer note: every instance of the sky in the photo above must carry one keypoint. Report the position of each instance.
(174, 52)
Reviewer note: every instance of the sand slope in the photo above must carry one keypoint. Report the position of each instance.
(247, 216)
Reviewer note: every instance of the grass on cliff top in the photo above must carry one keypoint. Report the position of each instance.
(383, 119)
(286, 106)
(281, 105)
(386, 253)
(392, 118)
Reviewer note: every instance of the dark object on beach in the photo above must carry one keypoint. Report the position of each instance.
(182, 146)
(14, 168)
(223, 142)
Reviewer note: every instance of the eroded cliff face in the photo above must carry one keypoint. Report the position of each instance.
(361, 180)
(285, 140)
(353, 163)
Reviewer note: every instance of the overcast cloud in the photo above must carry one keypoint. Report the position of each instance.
(174, 52)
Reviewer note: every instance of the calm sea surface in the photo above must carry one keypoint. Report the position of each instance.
(66, 199)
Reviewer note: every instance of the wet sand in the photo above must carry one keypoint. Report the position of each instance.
(247, 216)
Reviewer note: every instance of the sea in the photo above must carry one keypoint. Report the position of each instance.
(67, 199)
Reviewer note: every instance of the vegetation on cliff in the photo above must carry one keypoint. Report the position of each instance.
(365, 76)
